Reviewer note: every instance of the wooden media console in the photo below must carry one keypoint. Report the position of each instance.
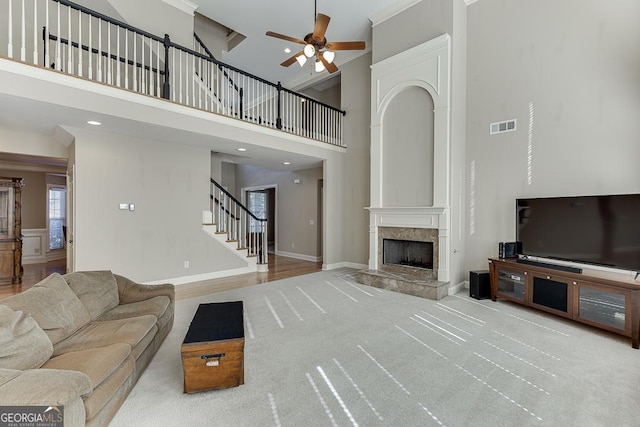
(612, 305)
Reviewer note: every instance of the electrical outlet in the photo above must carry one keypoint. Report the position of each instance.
(186, 264)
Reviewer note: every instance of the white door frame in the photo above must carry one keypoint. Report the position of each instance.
(243, 199)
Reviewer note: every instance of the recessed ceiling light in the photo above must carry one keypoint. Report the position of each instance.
(93, 122)
(286, 163)
(242, 149)
(287, 50)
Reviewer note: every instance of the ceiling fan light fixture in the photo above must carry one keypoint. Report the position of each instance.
(328, 56)
(309, 50)
(301, 59)
(319, 66)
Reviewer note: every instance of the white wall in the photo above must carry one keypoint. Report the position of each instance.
(158, 18)
(354, 177)
(169, 186)
(569, 72)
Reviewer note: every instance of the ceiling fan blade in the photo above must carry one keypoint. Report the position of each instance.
(345, 45)
(330, 66)
(292, 60)
(283, 37)
(320, 27)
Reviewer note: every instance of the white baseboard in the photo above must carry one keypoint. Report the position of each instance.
(176, 281)
(299, 256)
(457, 288)
(345, 264)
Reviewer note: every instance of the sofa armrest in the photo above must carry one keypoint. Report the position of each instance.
(130, 291)
(51, 387)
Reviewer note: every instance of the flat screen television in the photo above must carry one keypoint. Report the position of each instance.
(601, 230)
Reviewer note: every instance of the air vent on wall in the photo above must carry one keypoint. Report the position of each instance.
(500, 127)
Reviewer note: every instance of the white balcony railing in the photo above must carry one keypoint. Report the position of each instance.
(70, 38)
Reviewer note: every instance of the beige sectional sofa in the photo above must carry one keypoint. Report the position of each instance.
(80, 340)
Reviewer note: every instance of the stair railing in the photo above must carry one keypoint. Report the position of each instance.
(239, 223)
(84, 43)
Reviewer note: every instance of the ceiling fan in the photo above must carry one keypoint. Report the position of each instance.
(315, 44)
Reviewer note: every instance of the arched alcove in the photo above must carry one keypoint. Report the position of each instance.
(407, 149)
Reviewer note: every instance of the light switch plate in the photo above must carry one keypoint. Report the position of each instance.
(132, 207)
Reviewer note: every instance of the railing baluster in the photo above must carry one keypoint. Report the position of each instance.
(118, 67)
(109, 60)
(99, 58)
(47, 57)
(23, 40)
(10, 34)
(58, 59)
(35, 33)
(90, 67)
(80, 72)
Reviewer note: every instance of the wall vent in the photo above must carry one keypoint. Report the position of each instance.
(501, 127)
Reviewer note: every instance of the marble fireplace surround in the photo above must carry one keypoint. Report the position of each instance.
(409, 234)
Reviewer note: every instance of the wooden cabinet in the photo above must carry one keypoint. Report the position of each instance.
(601, 302)
(10, 230)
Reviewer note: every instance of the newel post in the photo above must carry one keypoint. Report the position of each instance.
(166, 87)
(279, 118)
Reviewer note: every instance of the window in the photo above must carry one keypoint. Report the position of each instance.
(257, 205)
(57, 209)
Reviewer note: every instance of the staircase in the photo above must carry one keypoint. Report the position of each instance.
(237, 228)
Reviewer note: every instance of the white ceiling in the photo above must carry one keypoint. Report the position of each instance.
(262, 55)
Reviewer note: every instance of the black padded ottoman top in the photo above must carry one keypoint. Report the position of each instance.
(216, 321)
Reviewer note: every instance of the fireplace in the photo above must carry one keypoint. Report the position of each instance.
(407, 253)
(409, 250)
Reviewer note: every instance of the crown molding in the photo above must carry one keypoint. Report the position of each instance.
(468, 2)
(184, 5)
(391, 11)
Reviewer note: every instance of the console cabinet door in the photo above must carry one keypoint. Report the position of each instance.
(552, 293)
(603, 306)
(512, 284)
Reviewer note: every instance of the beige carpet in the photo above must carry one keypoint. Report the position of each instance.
(324, 350)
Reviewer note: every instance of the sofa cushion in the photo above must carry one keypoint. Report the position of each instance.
(43, 387)
(97, 363)
(131, 331)
(155, 306)
(23, 344)
(97, 290)
(53, 305)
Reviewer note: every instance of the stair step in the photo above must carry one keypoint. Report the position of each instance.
(221, 232)
(209, 223)
(243, 249)
(232, 241)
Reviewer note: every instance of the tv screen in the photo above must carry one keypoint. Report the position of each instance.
(602, 230)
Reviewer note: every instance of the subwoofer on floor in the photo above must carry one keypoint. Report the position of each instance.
(479, 284)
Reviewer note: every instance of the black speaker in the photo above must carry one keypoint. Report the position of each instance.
(479, 284)
(509, 249)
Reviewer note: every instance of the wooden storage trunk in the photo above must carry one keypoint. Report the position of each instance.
(213, 349)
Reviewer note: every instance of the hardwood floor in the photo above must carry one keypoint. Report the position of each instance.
(279, 268)
(33, 273)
